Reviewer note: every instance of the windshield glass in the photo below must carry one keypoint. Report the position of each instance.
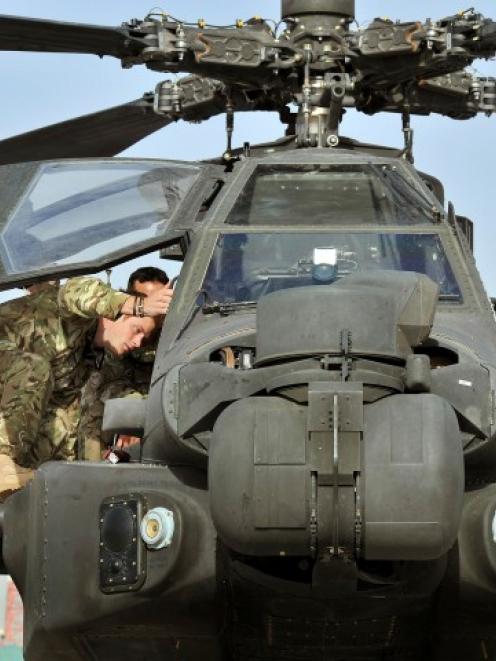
(246, 266)
(77, 212)
(330, 194)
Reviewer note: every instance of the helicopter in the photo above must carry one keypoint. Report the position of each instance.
(316, 478)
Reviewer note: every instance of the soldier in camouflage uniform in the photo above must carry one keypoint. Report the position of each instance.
(126, 377)
(44, 340)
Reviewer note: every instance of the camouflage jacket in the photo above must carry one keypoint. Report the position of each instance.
(58, 323)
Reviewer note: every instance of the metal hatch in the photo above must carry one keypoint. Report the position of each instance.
(60, 218)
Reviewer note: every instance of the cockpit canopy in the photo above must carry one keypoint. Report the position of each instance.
(294, 225)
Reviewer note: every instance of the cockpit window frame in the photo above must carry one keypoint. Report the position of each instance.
(453, 259)
(184, 316)
(243, 176)
(382, 187)
(181, 220)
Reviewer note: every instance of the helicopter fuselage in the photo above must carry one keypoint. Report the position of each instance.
(316, 478)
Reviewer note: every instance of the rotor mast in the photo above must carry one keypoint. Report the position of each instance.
(320, 25)
(319, 14)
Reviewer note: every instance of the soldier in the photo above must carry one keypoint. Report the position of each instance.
(44, 340)
(126, 377)
(147, 280)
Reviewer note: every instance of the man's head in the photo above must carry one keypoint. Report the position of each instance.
(147, 280)
(125, 333)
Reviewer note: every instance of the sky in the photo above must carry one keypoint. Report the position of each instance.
(39, 89)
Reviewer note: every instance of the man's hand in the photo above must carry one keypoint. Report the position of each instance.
(156, 304)
(125, 441)
(117, 453)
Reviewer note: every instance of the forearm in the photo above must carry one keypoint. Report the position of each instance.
(91, 298)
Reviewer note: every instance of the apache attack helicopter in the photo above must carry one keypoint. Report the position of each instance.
(317, 475)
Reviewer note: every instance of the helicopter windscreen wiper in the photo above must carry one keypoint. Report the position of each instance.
(450, 297)
(404, 192)
(226, 308)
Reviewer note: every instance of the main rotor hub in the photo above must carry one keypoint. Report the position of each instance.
(340, 8)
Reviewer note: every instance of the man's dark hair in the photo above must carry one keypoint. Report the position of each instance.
(147, 274)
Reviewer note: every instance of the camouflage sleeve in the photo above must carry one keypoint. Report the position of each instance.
(90, 422)
(90, 298)
(117, 378)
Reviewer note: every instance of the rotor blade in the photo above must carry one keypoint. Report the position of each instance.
(18, 33)
(100, 134)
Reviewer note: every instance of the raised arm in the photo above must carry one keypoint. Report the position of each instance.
(91, 298)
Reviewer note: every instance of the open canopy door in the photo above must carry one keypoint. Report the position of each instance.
(60, 218)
